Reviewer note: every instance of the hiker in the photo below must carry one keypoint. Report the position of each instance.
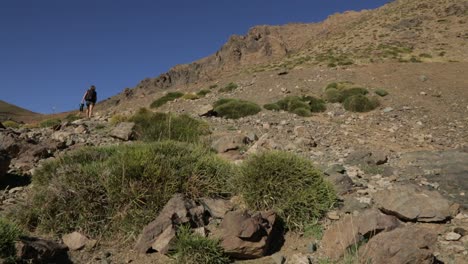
(90, 97)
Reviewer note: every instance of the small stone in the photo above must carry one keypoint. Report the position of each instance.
(75, 241)
(388, 110)
(333, 215)
(312, 247)
(452, 236)
(460, 231)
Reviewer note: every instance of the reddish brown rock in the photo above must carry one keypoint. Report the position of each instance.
(402, 245)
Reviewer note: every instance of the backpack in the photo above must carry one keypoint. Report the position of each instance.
(90, 96)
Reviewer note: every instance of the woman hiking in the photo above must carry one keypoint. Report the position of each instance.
(90, 97)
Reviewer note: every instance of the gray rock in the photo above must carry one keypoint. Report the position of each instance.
(403, 245)
(124, 131)
(217, 208)
(159, 234)
(37, 250)
(245, 236)
(413, 203)
(75, 240)
(225, 142)
(204, 110)
(349, 231)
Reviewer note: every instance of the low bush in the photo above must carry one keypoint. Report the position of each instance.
(272, 107)
(304, 112)
(116, 190)
(235, 108)
(191, 96)
(11, 124)
(166, 126)
(72, 117)
(286, 183)
(333, 95)
(339, 95)
(213, 86)
(166, 98)
(118, 118)
(190, 248)
(9, 234)
(203, 93)
(50, 122)
(300, 105)
(381, 92)
(229, 87)
(360, 103)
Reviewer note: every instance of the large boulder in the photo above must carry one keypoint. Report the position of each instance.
(124, 131)
(352, 229)
(37, 250)
(245, 236)
(225, 142)
(414, 203)
(448, 169)
(159, 234)
(402, 245)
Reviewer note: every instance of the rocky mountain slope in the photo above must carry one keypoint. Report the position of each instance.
(400, 170)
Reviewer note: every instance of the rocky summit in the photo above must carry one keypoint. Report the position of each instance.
(344, 141)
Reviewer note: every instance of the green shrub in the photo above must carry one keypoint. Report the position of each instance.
(272, 107)
(166, 126)
(50, 122)
(191, 96)
(333, 95)
(302, 106)
(72, 117)
(115, 191)
(332, 85)
(213, 86)
(166, 98)
(331, 65)
(304, 112)
(9, 234)
(229, 87)
(414, 59)
(203, 93)
(425, 55)
(118, 118)
(353, 91)
(360, 103)
(315, 105)
(11, 124)
(286, 183)
(381, 92)
(235, 108)
(190, 248)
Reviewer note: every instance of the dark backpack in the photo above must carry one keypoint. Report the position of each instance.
(91, 96)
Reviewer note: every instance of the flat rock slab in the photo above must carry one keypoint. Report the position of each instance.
(350, 230)
(403, 245)
(75, 240)
(414, 203)
(447, 168)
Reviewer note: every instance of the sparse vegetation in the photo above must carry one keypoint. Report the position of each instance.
(235, 108)
(288, 184)
(190, 248)
(50, 122)
(118, 118)
(166, 98)
(72, 117)
(166, 126)
(425, 55)
(381, 92)
(213, 86)
(117, 190)
(229, 87)
(11, 124)
(191, 96)
(360, 103)
(203, 93)
(9, 233)
(300, 105)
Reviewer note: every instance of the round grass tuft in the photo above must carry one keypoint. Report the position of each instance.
(235, 108)
(272, 107)
(288, 184)
(166, 98)
(9, 233)
(360, 103)
(304, 112)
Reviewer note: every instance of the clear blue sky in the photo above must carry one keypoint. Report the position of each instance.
(51, 51)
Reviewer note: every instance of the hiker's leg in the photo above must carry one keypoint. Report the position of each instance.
(87, 111)
(91, 110)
